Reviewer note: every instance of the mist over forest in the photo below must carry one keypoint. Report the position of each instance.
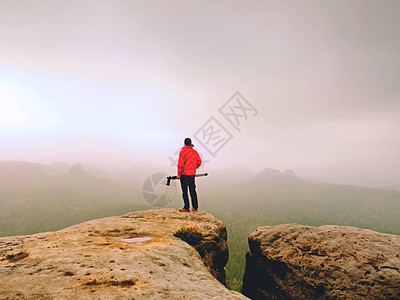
(46, 197)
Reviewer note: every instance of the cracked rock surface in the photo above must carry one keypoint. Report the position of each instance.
(134, 256)
(292, 261)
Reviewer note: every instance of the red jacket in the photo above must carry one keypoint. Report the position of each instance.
(189, 161)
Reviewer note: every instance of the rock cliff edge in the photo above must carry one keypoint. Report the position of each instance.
(292, 261)
(134, 256)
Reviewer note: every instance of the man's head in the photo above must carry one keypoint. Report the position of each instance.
(188, 142)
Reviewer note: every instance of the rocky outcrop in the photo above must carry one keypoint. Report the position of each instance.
(329, 262)
(272, 176)
(134, 256)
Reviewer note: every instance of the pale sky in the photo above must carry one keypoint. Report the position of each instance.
(116, 82)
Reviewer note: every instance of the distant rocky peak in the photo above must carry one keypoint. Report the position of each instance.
(290, 173)
(275, 176)
(77, 171)
(76, 168)
(271, 172)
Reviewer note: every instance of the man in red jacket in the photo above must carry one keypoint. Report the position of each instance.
(189, 161)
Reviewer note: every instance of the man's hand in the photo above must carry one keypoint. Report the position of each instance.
(178, 177)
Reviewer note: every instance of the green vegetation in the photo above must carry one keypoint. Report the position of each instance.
(27, 209)
(193, 237)
(46, 206)
(245, 208)
(190, 235)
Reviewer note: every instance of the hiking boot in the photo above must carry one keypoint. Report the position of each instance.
(184, 210)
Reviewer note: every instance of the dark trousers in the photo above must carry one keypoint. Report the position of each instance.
(188, 181)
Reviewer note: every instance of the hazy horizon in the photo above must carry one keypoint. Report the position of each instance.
(113, 83)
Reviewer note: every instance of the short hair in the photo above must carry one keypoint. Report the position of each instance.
(188, 142)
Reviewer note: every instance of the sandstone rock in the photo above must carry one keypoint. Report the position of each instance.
(134, 256)
(329, 262)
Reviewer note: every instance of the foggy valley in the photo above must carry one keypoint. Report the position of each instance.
(292, 107)
(47, 197)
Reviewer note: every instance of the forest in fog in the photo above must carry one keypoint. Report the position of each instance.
(38, 198)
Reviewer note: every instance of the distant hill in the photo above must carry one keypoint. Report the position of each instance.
(269, 175)
(77, 177)
(76, 171)
(56, 168)
(284, 195)
(20, 171)
(59, 168)
(32, 200)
